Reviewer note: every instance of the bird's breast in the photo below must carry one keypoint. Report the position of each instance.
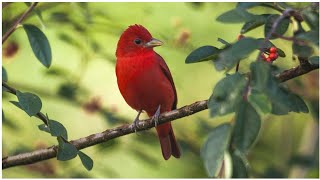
(143, 84)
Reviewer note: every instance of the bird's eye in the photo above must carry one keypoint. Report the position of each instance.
(137, 41)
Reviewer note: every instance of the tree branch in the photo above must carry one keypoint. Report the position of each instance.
(91, 140)
(23, 16)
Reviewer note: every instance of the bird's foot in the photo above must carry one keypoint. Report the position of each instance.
(135, 123)
(156, 115)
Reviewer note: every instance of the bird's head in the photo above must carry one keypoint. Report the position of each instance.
(135, 40)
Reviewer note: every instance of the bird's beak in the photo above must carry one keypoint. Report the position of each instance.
(153, 43)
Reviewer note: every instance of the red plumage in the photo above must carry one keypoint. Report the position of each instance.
(145, 81)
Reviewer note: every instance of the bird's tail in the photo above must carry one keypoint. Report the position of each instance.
(169, 145)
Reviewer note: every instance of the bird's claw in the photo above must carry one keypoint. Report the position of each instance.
(156, 115)
(135, 124)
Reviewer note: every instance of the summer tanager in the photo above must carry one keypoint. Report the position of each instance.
(145, 82)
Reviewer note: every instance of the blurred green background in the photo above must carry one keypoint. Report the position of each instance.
(80, 91)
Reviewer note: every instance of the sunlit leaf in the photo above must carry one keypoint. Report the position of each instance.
(231, 55)
(259, 101)
(29, 102)
(212, 151)
(39, 44)
(227, 95)
(86, 160)
(203, 53)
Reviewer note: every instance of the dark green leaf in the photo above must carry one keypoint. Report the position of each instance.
(203, 53)
(4, 74)
(227, 95)
(57, 129)
(29, 102)
(230, 56)
(310, 36)
(44, 128)
(248, 26)
(66, 151)
(86, 160)
(281, 99)
(246, 128)
(239, 165)
(39, 44)
(224, 42)
(304, 51)
(314, 60)
(212, 151)
(247, 5)
(281, 28)
(311, 18)
(259, 101)
(236, 16)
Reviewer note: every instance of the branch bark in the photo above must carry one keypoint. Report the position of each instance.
(23, 16)
(91, 140)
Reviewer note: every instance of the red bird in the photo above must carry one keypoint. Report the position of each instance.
(145, 82)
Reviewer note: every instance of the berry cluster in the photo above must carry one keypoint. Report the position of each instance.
(272, 55)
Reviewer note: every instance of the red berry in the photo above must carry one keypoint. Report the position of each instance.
(276, 56)
(268, 59)
(272, 56)
(240, 36)
(273, 50)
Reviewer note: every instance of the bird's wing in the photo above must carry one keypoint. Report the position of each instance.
(166, 71)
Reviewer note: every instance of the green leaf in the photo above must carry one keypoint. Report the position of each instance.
(57, 129)
(66, 151)
(247, 5)
(224, 42)
(314, 60)
(281, 99)
(227, 95)
(203, 53)
(304, 51)
(310, 36)
(212, 151)
(246, 128)
(29, 102)
(239, 165)
(86, 160)
(259, 101)
(4, 74)
(236, 16)
(281, 28)
(248, 26)
(39, 44)
(44, 128)
(231, 55)
(311, 18)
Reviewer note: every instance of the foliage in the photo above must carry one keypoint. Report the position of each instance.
(254, 92)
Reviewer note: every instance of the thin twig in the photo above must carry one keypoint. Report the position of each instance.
(23, 16)
(48, 153)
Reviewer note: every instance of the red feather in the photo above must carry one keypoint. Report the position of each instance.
(145, 82)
